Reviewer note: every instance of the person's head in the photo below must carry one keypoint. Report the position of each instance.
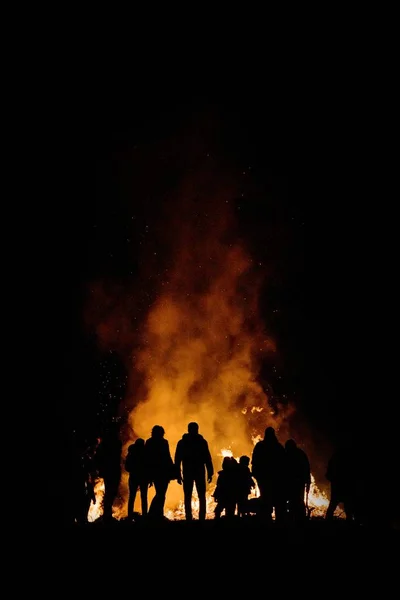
(226, 463)
(269, 434)
(130, 449)
(193, 427)
(157, 431)
(244, 460)
(290, 446)
(139, 443)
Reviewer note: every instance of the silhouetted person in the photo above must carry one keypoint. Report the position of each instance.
(193, 455)
(160, 469)
(341, 473)
(298, 480)
(268, 467)
(225, 494)
(135, 464)
(83, 489)
(108, 460)
(89, 497)
(245, 483)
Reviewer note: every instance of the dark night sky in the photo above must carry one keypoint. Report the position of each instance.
(313, 187)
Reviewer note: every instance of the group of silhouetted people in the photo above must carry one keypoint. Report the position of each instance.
(234, 485)
(283, 476)
(150, 463)
(281, 473)
(101, 458)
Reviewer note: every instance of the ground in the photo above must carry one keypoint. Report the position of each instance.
(223, 553)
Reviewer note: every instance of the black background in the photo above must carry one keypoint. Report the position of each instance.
(322, 176)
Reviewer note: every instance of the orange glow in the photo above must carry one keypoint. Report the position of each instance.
(201, 345)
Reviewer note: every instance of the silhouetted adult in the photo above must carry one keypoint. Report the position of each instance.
(108, 461)
(298, 480)
(135, 464)
(193, 456)
(268, 467)
(160, 469)
(82, 488)
(341, 473)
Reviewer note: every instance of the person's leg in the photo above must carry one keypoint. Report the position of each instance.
(154, 504)
(230, 509)
(162, 490)
(265, 504)
(143, 497)
(242, 506)
(133, 485)
(298, 505)
(280, 505)
(201, 492)
(334, 501)
(157, 504)
(188, 481)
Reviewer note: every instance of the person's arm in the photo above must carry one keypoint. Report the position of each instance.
(128, 463)
(216, 493)
(170, 462)
(178, 462)
(208, 462)
(308, 473)
(148, 462)
(255, 466)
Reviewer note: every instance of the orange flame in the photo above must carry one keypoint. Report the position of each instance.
(96, 510)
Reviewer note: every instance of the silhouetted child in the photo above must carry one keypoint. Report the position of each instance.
(135, 464)
(225, 493)
(245, 483)
(83, 491)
